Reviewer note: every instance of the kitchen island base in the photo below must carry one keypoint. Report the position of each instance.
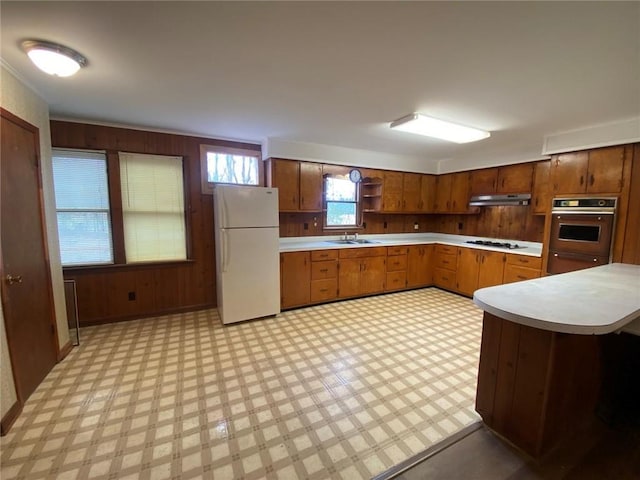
(536, 387)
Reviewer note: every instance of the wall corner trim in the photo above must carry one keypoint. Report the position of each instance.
(10, 417)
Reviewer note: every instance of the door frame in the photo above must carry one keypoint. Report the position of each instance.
(47, 263)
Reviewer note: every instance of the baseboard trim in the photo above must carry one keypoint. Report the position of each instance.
(65, 350)
(138, 316)
(10, 417)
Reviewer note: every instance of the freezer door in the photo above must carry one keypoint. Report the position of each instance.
(248, 274)
(240, 207)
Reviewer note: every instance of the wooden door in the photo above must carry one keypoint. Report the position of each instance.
(373, 275)
(286, 174)
(443, 193)
(295, 279)
(540, 197)
(491, 269)
(411, 183)
(515, 178)
(349, 277)
(311, 186)
(605, 170)
(427, 193)
(569, 172)
(460, 192)
(392, 192)
(27, 296)
(419, 266)
(484, 181)
(468, 268)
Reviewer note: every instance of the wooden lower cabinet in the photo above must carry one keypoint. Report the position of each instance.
(295, 279)
(445, 267)
(324, 275)
(420, 266)
(521, 267)
(535, 386)
(396, 268)
(362, 271)
(478, 269)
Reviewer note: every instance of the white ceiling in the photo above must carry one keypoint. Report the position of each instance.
(337, 73)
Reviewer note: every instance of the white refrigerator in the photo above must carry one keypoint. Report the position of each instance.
(247, 252)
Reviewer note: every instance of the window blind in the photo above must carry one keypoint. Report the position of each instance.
(82, 207)
(152, 207)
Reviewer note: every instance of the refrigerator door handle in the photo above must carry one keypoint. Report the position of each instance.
(226, 253)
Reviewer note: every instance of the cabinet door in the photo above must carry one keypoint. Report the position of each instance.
(411, 183)
(310, 186)
(541, 196)
(295, 279)
(443, 193)
(468, 268)
(427, 193)
(484, 181)
(569, 172)
(392, 192)
(605, 170)
(515, 178)
(286, 174)
(460, 192)
(372, 275)
(491, 269)
(420, 266)
(349, 277)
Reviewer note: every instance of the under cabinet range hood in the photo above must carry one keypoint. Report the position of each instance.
(497, 200)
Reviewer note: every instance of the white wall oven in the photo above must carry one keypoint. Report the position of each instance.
(581, 233)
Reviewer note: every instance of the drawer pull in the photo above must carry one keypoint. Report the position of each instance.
(324, 255)
(521, 277)
(445, 261)
(323, 290)
(324, 270)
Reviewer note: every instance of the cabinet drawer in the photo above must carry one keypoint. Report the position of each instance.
(444, 278)
(447, 261)
(326, 269)
(524, 261)
(319, 255)
(397, 250)
(446, 249)
(396, 263)
(396, 280)
(322, 290)
(516, 273)
(363, 252)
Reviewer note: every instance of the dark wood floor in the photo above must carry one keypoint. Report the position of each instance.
(598, 453)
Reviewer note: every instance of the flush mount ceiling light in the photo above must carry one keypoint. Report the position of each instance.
(433, 127)
(54, 59)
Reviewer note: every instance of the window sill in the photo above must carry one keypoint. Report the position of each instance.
(126, 266)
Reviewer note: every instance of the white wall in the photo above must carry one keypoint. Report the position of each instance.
(23, 102)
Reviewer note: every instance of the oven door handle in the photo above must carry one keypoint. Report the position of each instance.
(576, 256)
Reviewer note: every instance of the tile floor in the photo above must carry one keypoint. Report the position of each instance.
(343, 390)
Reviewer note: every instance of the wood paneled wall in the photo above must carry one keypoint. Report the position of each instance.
(104, 292)
(508, 222)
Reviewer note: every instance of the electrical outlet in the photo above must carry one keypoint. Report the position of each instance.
(306, 226)
(416, 226)
(460, 226)
(132, 296)
(385, 225)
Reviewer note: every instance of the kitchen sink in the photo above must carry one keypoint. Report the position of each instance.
(360, 241)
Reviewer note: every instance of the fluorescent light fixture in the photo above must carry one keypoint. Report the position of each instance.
(54, 59)
(433, 127)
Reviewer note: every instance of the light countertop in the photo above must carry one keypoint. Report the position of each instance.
(297, 244)
(593, 301)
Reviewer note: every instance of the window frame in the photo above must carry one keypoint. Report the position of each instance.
(206, 187)
(325, 206)
(117, 219)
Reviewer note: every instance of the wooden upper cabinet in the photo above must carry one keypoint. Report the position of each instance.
(310, 186)
(515, 178)
(484, 181)
(443, 193)
(284, 176)
(605, 172)
(460, 193)
(411, 186)
(541, 194)
(392, 192)
(299, 184)
(427, 193)
(595, 171)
